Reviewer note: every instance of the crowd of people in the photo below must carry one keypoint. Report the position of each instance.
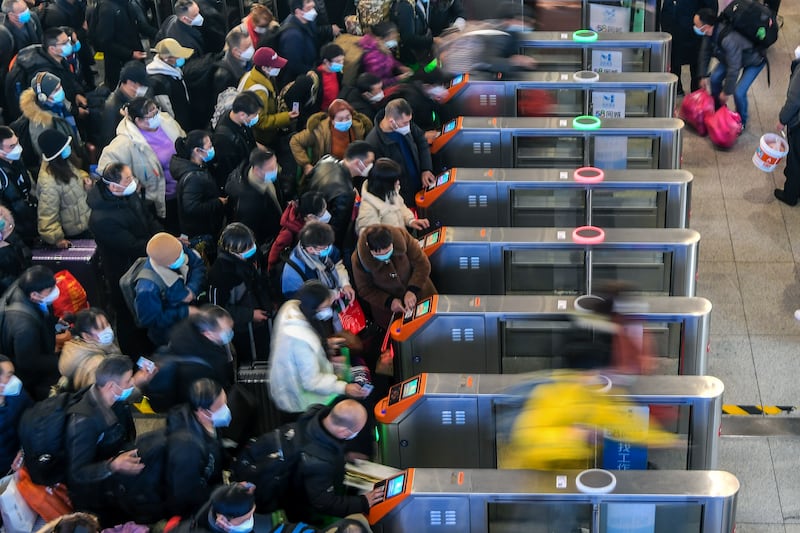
(247, 184)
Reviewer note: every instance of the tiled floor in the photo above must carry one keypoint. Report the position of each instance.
(749, 255)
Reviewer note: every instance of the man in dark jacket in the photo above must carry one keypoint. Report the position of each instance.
(416, 39)
(676, 19)
(297, 41)
(184, 26)
(14, 400)
(117, 37)
(201, 208)
(195, 456)
(735, 53)
(72, 14)
(99, 440)
(424, 92)
(397, 137)
(338, 182)
(28, 334)
(214, 26)
(236, 61)
(132, 83)
(167, 84)
(789, 118)
(233, 137)
(366, 95)
(443, 14)
(23, 24)
(15, 186)
(317, 484)
(257, 202)
(121, 225)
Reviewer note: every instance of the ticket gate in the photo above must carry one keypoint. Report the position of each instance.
(560, 94)
(513, 334)
(561, 260)
(477, 411)
(571, 51)
(434, 500)
(500, 197)
(483, 142)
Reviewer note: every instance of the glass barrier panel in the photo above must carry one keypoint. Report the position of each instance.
(650, 272)
(545, 272)
(539, 517)
(549, 152)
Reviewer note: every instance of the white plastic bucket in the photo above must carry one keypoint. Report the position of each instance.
(771, 150)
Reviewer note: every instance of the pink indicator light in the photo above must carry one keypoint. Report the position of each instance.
(588, 235)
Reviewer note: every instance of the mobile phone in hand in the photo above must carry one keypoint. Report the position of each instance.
(368, 387)
(146, 364)
(295, 107)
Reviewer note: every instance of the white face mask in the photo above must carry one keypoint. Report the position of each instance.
(405, 130)
(154, 122)
(310, 15)
(259, 29)
(15, 153)
(274, 71)
(325, 217)
(198, 20)
(106, 336)
(365, 172)
(52, 297)
(130, 189)
(13, 387)
(247, 54)
(797, 53)
(244, 527)
(141, 90)
(377, 97)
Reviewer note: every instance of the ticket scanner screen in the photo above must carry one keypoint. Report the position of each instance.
(458, 79)
(432, 238)
(404, 390)
(450, 126)
(443, 178)
(395, 486)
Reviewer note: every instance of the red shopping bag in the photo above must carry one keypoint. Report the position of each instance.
(72, 297)
(724, 127)
(695, 108)
(385, 364)
(352, 318)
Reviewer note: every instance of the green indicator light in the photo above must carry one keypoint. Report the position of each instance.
(584, 36)
(586, 122)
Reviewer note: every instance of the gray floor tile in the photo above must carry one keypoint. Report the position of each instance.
(749, 460)
(770, 294)
(790, 528)
(784, 460)
(719, 283)
(777, 366)
(731, 360)
(760, 528)
(709, 218)
(758, 234)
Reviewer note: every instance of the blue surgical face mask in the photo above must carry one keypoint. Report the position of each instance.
(106, 336)
(271, 176)
(2, 226)
(180, 62)
(25, 16)
(336, 67)
(244, 527)
(250, 252)
(343, 126)
(252, 122)
(325, 314)
(66, 152)
(77, 47)
(66, 50)
(178, 262)
(221, 417)
(13, 387)
(699, 31)
(210, 153)
(58, 96)
(325, 217)
(384, 257)
(326, 252)
(226, 337)
(124, 395)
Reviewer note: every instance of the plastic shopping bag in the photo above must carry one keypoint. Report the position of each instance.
(724, 127)
(17, 515)
(694, 109)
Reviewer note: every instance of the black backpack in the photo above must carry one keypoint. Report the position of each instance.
(269, 462)
(143, 495)
(753, 20)
(163, 392)
(42, 429)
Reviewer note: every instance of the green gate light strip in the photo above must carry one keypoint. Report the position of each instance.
(586, 122)
(584, 36)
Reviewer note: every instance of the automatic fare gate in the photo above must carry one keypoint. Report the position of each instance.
(561, 260)
(503, 142)
(525, 501)
(503, 197)
(425, 412)
(562, 94)
(514, 334)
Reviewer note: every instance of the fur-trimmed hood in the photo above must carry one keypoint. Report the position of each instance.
(32, 111)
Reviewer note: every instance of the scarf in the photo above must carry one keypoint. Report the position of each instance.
(326, 270)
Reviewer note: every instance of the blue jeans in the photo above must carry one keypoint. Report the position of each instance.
(747, 78)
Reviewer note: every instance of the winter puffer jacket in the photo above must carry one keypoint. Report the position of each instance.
(200, 211)
(63, 210)
(308, 146)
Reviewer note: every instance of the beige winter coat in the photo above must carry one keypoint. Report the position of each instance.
(131, 148)
(374, 210)
(62, 206)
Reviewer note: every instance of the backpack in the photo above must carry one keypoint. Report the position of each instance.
(275, 276)
(371, 12)
(143, 495)
(753, 20)
(270, 462)
(41, 433)
(225, 100)
(128, 281)
(308, 100)
(163, 390)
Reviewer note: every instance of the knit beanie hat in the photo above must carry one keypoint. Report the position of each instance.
(232, 501)
(52, 143)
(164, 249)
(45, 83)
(339, 105)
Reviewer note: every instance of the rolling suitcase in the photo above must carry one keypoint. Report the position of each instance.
(81, 260)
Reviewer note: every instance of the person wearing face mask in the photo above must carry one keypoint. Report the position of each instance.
(676, 19)
(260, 25)
(397, 137)
(391, 271)
(315, 258)
(14, 400)
(328, 133)
(45, 107)
(789, 121)
(185, 27)
(267, 64)
(195, 456)
(365, 95)
(233, 136)
(201, 209)
(22, 23)
(425, 92)
(300, 372)
(92, 341)
(416, 39)
(167, 84)
(183, 274)
(230, 509)
(145, 142)
(258, 202)
(338, 181)
(28, 334)
(133, 83)
(117, 35)
(379, 46)
(330, 73)
(15, 256)
(235, 62)
(381, 202)
(310, 207)
(237, 283)
(63, 212)
(297, 41)
(16, 188)
(99, 440)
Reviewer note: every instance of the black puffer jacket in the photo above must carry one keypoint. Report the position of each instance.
(187, 36)
(10, 413)
(233, 144)
(15, 193)
(257, 211)
(239, 286)
(200, 211)
(14, 259)
(333, 180)
(121, 226)
(92, 438)
(194, 462)
(184, 339)
(317, 485)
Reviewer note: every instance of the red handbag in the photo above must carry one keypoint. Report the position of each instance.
(352, 318)
(724, 127)
(72, 297)
(385, 365)
(695, 108)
